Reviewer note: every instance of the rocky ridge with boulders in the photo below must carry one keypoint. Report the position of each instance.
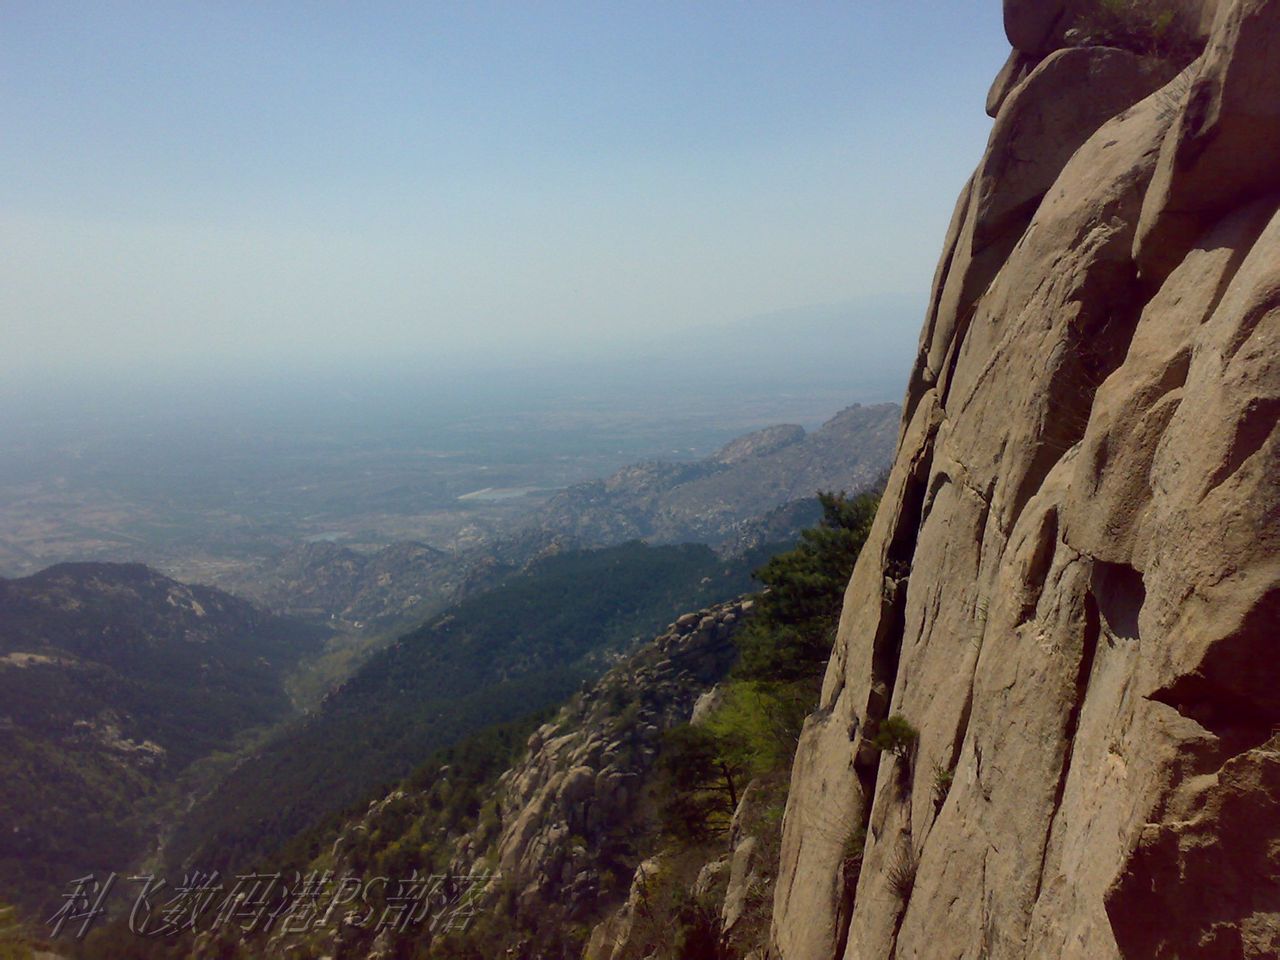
(577, 812)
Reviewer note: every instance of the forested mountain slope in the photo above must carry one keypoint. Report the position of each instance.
(113, 680)
(495, 657)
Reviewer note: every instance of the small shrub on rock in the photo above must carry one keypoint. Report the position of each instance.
(896, 735)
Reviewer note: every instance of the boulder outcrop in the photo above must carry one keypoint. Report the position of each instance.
(575, 812)
(1072, 589)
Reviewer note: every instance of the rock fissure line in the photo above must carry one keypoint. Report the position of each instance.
(1088, 653)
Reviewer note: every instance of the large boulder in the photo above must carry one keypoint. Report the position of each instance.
(1030, 24)
(1224, 148)
(1038, 27)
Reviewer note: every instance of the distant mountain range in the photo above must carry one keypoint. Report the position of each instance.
(115, 681)
(759, 488)
(709, 501)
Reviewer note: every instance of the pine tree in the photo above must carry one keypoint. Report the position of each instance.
(794, 625)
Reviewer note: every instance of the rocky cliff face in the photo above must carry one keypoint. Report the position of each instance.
(1073, 586)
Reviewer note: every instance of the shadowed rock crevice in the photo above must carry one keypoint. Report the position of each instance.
(1118, 593)
(982, 269)
(1266, 305)
(844, 915)
(888, 640)
(1220, 846)
(1239, 726)
(1235, 693)
(1046, 541)
(922, 378)
(902, 878)
(1237, 233)
(1110, 302)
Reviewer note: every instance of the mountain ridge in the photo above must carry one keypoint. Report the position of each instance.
(705, 500)
(758, 487)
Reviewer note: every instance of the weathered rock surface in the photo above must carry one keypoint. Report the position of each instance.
(575, 811)
(733, 889)
(1040, 26)
(1072, 588)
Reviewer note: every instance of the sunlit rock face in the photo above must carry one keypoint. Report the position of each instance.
(1073, 586)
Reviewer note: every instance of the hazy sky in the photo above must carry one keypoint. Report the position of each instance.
(204, 183)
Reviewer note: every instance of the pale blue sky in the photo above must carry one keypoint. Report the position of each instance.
(212, 183)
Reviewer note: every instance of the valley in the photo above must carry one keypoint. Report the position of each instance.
(403, 650)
